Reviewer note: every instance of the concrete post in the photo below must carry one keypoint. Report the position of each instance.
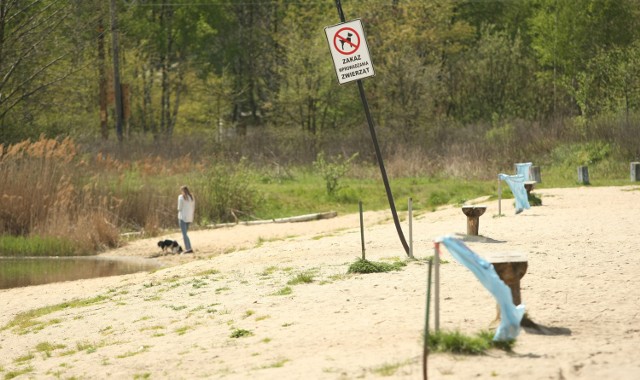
(583, 175)
(635, 171)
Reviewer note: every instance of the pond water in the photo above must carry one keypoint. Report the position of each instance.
(18, 272)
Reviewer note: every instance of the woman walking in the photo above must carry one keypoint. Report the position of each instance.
(186, 209)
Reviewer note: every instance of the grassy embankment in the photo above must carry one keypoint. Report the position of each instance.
(56, 200)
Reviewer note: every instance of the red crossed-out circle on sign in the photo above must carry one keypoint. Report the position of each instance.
(344, 43)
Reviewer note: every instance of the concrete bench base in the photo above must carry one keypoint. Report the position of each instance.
(473, 214)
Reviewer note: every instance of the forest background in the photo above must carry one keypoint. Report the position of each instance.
(239, 99)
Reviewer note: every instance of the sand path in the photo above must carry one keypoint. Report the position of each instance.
(179, 322)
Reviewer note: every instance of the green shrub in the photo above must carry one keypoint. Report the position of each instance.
(333, 171)
(534, 200)
(229, 193)
(582, 154)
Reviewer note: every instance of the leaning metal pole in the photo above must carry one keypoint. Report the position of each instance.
(365, 104)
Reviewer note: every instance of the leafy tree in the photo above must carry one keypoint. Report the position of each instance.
(496, 79)
(43, 44)
(504, 16)
(251, 58)
(162, 30)
(411, 41)
(567, 34)
(611, 83)
(308, 93)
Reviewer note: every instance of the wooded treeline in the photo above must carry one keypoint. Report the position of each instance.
(214, 68)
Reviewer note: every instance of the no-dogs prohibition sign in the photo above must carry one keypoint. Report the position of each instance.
(348, 39)
(349, 51)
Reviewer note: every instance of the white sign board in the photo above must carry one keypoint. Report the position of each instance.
(349, 51)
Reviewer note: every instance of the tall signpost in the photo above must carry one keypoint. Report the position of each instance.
(352, 62)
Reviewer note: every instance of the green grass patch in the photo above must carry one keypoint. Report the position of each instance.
(240, 333)
(248, 313)
(388, 369)
(47, 348)
(277, 364)
(13, 374)
(198, 283)
(88, 347)
(152, 328)
(283, 292)
(268, 271)
(301, 278)
(133, 353)
(26, 320)
(306, 193)
(222, 289)
(24, 358)
(182, 330)
(366, 266)
(458, 343)
(207, 272)
(20, 246)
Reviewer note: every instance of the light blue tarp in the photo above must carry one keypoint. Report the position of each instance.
(511, 315)
(516, 184)
(524, 168)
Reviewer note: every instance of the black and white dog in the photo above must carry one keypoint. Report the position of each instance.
(170, 246)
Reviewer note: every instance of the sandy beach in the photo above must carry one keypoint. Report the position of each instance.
(229, 312)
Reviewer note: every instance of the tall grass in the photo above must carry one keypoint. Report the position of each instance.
(36, 246)
(86, 195)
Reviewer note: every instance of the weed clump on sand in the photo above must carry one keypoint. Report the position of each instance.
(366, 266)
(301, 278)
(458, 343)
(534, 200)
(239, 333)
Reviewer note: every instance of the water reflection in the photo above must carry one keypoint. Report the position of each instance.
(18, 272)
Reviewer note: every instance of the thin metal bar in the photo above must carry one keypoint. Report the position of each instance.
(410, 207)
(499, 196)
(361, 228)
(436, 297)
(425, 347)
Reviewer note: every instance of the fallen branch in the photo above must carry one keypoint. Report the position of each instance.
(292, 219)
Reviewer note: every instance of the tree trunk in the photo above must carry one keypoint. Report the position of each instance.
(104, 128)
(116, 70)
(3, 14)
(148, 119)
(165, 110)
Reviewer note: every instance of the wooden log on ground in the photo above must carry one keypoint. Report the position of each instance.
(293, 219)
